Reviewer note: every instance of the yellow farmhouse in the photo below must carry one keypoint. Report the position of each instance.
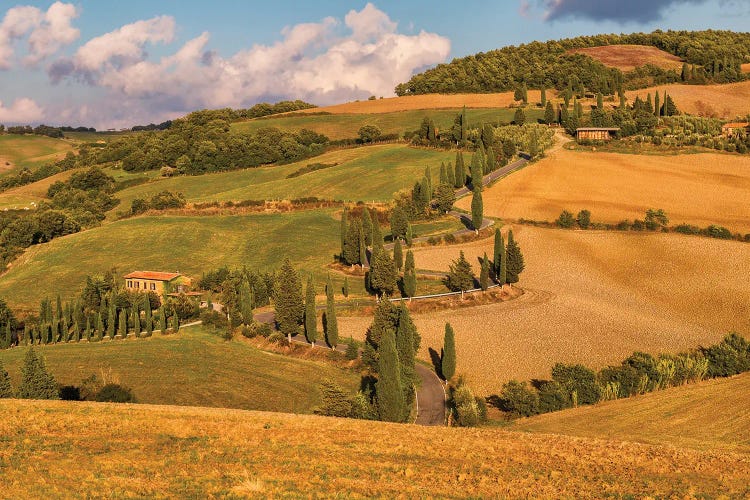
(161, 283)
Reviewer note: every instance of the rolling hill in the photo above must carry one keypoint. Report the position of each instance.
(721, 101)
(163, 451)
(709, 416)
(18, 151)
(191, 368)
(629, 57)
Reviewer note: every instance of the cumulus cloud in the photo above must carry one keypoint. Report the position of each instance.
(641, 11)
(47, 31)
(23, 110)
(324, 62)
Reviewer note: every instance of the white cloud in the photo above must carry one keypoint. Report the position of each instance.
(23, 110)
(47, 32)
(322, 62)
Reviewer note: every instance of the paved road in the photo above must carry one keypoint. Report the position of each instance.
(430, 395)
(493, 176)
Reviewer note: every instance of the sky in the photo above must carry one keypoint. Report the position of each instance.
(117, 64)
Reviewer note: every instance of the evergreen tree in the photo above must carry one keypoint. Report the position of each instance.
(476, 171)
(448, 358)
(7, 336)
(383, 274)
(657, 105)
(344, 228)
(345, 288)
(578, 109)
(398, 255)
(367, 226)
(460, 171)
(330, 323)
(491, 164)
(162, 320)
(389, 388)
(123, 324)
(599, 101)
(111, 321)
(487, 136)
(451, 175)
(484, 275)
(428, 177)
(87, 331)
(76, 332)
(519, 117)
(377, 233)
(409, 235)
(443, 174)
(460, 275)
(351, 244)
(362, 248)
(399, 222)
(425, 194)
(515, 259)
(406, 355)
(311, 317)
(99, 326)
(500, 258)
(649, 104)
(137, 320)
(148, 319)
(464, 125)
(445, 197)
(6, 389)
(477, 209)
(246, 302)
(36, 381)
(64, 328)
(175, 322)
(544, 97)
(58, 309)
(549, 113)
(410, 276)
(288, 303)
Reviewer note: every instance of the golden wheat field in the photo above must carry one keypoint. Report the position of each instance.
(591, 297)
(675, 416)
(629, 57)
(67, 450)
(721, 101)
(699, 189)
(427, 101)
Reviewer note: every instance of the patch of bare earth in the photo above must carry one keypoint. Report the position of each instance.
(629, 57)
(719, 101)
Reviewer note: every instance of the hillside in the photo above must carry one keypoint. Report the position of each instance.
(629, 57)
(18, 151)
(191, 368)
(622, 186)
(23, 196)
(710, 416)
(721, 101)
(199, 452)
(591, 297)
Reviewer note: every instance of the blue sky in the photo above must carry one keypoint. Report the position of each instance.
(105, 64)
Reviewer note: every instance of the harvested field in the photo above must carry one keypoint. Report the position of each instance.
(175, 452)
(699, 189)
(592, 297)
(675, 416)
(427, 101)
(629, 57)
(720, 101)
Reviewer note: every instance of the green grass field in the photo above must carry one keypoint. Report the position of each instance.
(370, 173)
(709, 416)
(29, 151)
(191, 368)
(190, 245)
(95, 136)
(345, 126)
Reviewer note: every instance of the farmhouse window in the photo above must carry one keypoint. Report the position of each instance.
(153, 286)
(130, 284)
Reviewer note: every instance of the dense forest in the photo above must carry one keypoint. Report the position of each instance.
(710, 56)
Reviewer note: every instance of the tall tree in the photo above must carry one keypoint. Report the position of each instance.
(460, 275)
(6, 389)
(445, 197)
(288, 303)
(389, 388)
(352, 244)
(399, 222)
(428, 177)
(657, 104)
(476, 171)
(137, 320)
(549, 113)
(599, 101)
(111, 320)
(443, 174)
(311, 317)
(451, 175)
(519, 117)
(87, 331)
(162, 320)
(410, 276)
(500, 258)
(36, 381)
(148, 318)
(330, 323)
(405, 341)
(491, 163)
(477, 209)
(448, 358)
(544, 97)
(460, 171)
(123, 324)
(377, 233)
(383, 274)
(344, 228)
(367, 226)
(398, 255)
(515, 259)
(246, 302)
(99, 327)
(409, 235)
(484, 275)
(362, 248)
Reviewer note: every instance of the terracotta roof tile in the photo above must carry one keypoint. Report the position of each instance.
(152, 275)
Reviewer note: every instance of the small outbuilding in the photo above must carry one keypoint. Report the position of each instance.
(735, 128)
(596, 133)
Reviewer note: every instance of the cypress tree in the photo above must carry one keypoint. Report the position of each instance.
(425, 194)
(175, 322)
(501, 259)
(657, 105)
(448, 358)
(649, 103)
(162, 320)
(344, 228)
(345, 288)
(330, 323)
(367, 227)
(377, 233)
(123, 324)
(76, 332)
(398, 255)
(389, 389)
(58, 309)
(362, 248)
(460, 275)
(459, 171)
(409, 235)
(544, 97)
(26, 334)
(87, 331)
(515, 259)
(137, 328)
(477, 209)
(111, 321)
(443, 175)
(525, 93)
(399, 223)
(463, 125)
(36, 381)
(599, 101)
(383, 274)
(288, 303)
(410, 277)
(311, 318)
(484, 275)
(491, 166)
(55, 331)
(578, 109)
(476, 171)
(450, 175)
(350, 254)
(246, 302)
(7, 336)
(64, 328)
(519, 117)
(406, 355)
(6, 389)
(428, 177)
(148, 315)
(99, 327)
(549, 113)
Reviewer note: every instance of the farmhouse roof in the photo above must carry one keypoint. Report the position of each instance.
(591, 129)
(736, 125)
(152, 275)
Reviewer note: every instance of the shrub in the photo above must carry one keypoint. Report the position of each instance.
(623, 225)
(687, 229)
(433, 240)
(714, 231)
(352, 351)
(115, 393)
(583, 219)
(451, 238)
(565, 220)
(579, 381)
(519, 399)
(256, 329)
(645, 365)
(730, 357)
(467, 409)
(625, 376)
(335, 402)
(277, 338)
(214, 319)
(553, 396)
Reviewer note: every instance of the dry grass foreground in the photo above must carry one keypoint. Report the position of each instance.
(629, 57)
(722, 101)
(427, 101)
(60, 449)
(699, 189)
(592, 297)
(710, 416)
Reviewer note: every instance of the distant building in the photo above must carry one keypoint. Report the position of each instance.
(158, 282)
(596, 133)
(735, 128)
